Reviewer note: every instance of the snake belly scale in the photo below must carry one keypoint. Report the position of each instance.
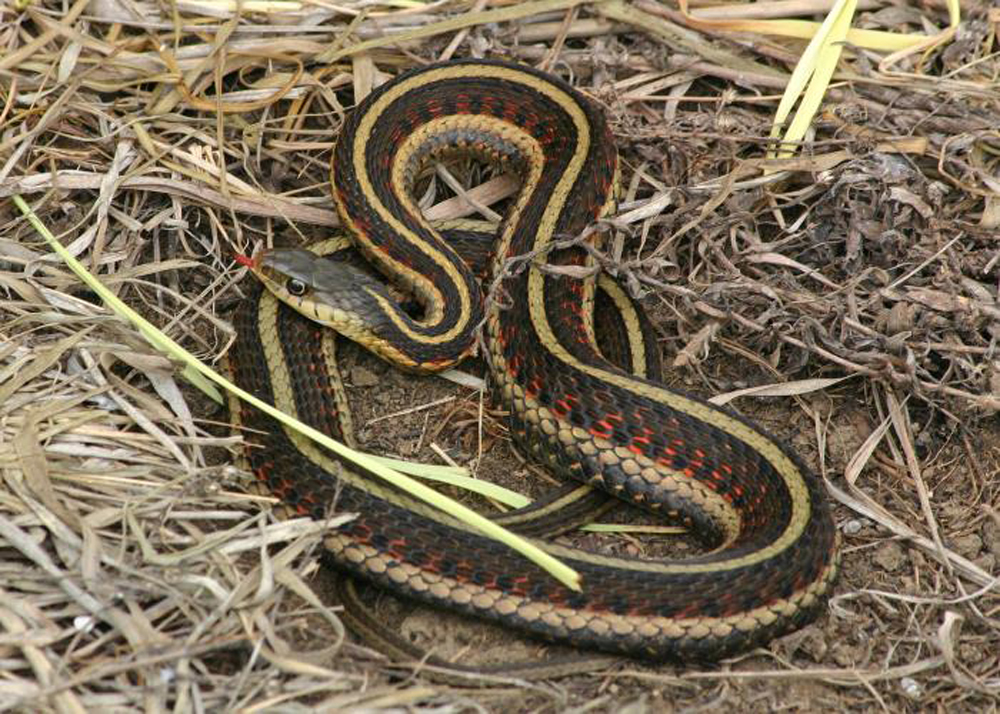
(749, 498)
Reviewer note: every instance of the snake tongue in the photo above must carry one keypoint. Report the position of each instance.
(245, 261)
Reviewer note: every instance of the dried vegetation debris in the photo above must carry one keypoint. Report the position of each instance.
(135, 570)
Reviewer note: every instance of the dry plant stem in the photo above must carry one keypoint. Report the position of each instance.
(23, 53)
(903, 434)
(559, 40)
(652, 18)
(775, 9)
(461, 35)
(269, 206)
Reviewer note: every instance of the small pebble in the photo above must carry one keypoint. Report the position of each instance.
(852, 527)
(911, 687)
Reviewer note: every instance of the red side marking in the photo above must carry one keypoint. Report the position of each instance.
(557, 596)
(607, 429)
(691, 610)
(514, 364)
(638, 445)
(561, 407)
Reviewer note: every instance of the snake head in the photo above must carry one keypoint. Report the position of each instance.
(343, 297)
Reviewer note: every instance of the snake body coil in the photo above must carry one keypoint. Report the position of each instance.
(775, 545)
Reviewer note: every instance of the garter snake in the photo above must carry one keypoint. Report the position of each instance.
(773, 543)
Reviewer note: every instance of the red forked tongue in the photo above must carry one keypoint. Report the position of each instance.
(244, 261)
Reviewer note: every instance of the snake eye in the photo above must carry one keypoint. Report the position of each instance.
(295, 287)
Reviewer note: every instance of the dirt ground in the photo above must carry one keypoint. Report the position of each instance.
(400, 414)
(857, 283)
